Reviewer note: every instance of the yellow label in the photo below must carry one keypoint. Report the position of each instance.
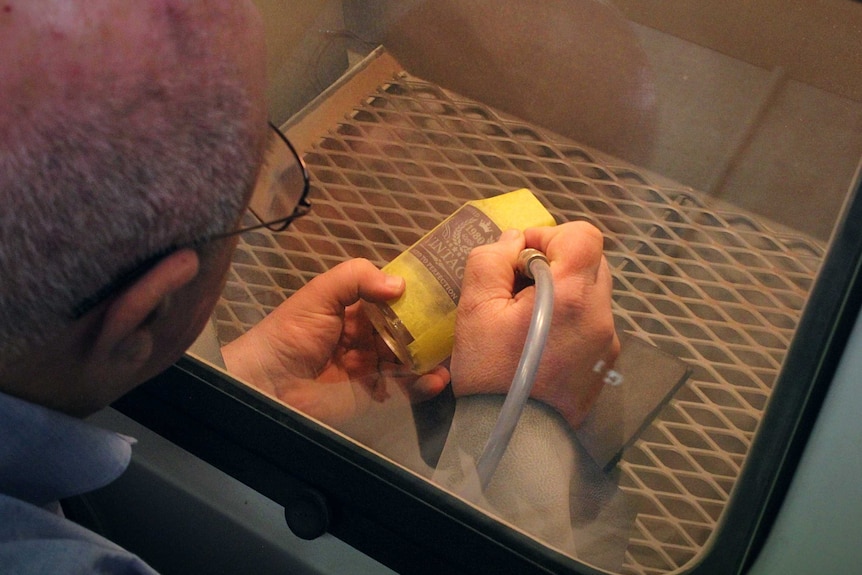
(433, 269)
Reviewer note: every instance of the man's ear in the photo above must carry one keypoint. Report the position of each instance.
(124, 333)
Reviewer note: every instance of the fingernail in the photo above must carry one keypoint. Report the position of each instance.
(394, 282)
(510, 235)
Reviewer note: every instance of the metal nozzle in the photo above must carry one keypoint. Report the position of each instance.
(526, 257)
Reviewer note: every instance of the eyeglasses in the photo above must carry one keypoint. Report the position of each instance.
(280, 196)
(281, 192)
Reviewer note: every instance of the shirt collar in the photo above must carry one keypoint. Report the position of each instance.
(46, 455)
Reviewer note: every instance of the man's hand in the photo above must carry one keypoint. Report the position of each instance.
(318, 353)
(492, 320)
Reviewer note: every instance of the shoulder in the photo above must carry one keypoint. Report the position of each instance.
(36, 541)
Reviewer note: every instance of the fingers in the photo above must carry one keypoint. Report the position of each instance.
(428, 385)
(584, 286)
(574, 247)
(345, 284)
(490, 332)
(490, 271)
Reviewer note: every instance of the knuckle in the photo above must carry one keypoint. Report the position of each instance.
(357, 268)
(607, 336)
(359, 263)
(583, 245)
(612, 341)
(592, 238)
(590, 229)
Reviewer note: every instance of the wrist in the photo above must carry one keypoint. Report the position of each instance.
(243, 362)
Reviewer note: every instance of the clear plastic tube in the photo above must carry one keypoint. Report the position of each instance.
(533, 264)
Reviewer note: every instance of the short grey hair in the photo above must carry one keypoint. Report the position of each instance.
(96, 182)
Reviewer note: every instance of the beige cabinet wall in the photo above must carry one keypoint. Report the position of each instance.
(304, 52)
(760, 101)
(818, 42)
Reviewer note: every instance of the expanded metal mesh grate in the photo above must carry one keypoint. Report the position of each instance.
(715, 287)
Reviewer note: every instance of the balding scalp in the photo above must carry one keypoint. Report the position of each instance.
(125, 128)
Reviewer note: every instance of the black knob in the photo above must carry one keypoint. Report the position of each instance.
(307, 514)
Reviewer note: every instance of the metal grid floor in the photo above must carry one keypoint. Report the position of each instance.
(711, 285)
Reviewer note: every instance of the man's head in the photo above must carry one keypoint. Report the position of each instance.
(125, 128)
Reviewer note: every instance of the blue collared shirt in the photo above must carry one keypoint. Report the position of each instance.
(46, 456)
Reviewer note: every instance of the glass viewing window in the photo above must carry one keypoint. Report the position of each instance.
(719, 167)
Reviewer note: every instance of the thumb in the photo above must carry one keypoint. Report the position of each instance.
(344, 285)
(490, 270)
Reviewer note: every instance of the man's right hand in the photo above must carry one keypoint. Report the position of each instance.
(492, 320)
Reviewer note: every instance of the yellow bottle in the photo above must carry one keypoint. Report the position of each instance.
(419, 326)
